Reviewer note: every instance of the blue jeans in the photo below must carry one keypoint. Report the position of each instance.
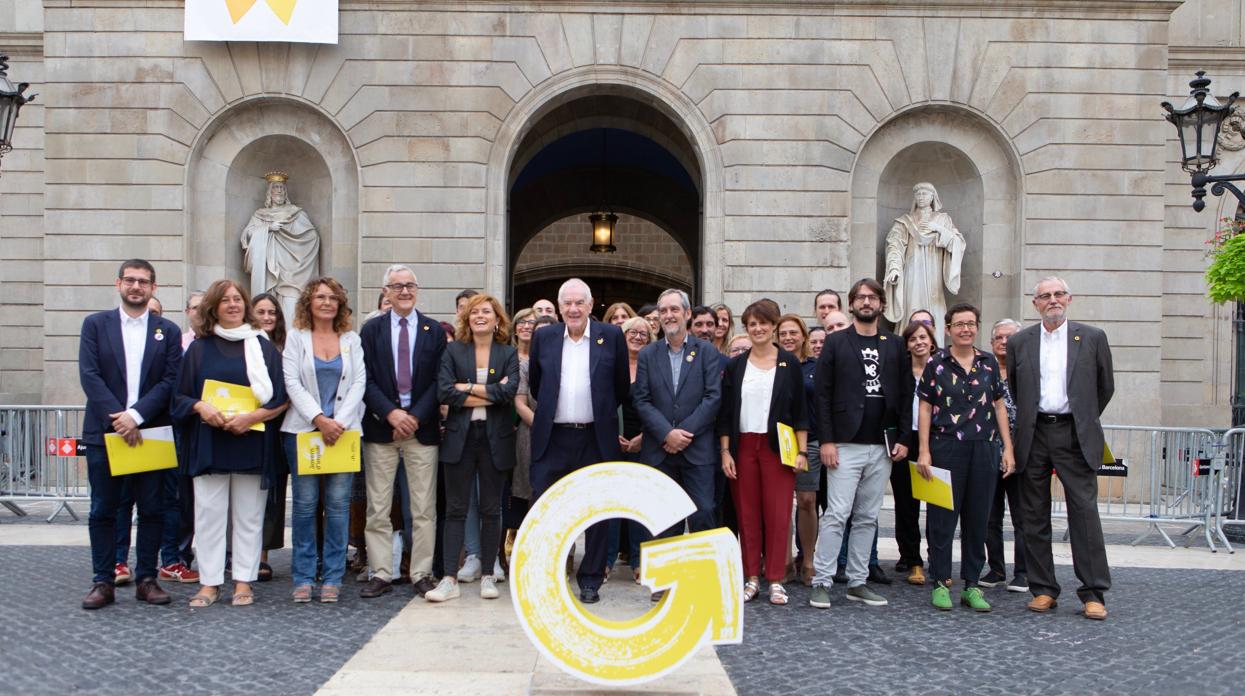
(873, 553)
(306, 490)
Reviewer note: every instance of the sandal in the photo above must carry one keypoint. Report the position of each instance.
(329, 594)
(301, 594)
(751, 588)
(242, 598)
(265, 572)
(777, 594)
(202, 599)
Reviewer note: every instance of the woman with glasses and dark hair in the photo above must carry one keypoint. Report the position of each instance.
(919, 338)
(962, 418)
(520, 488)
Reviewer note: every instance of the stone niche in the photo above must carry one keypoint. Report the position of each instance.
(227, 185)
(975, 171)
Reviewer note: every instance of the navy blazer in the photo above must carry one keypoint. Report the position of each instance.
(101, 368)
(788, 403)
(840, 385)
(458, 365)
(610, 374)
(692, 407)
(381, 394)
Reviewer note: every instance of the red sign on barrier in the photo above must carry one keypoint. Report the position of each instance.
(51, 447)
(67, 446)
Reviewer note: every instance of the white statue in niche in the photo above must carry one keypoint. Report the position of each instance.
(924, 252)
(282, 246)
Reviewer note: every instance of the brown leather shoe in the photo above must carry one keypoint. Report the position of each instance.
(424, 585)
(375, 588)
(1042, 604)
(149, 591)
(101, 594)
(916, 575)
(1095, 610)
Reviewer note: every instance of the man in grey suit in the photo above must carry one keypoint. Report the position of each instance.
(1061, 378)
(677, 392)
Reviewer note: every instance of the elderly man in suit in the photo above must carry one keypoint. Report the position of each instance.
(677, 392)
(128, 360)
(578, 374)
(1061, 378)
(402, 353)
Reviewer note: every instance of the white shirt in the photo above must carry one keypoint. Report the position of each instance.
(755, 395)
(412, 326)
(134, 338)
(1053, 362)
(575, 386)
(477, 412)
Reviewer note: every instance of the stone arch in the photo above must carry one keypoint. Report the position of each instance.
(966, 155)
(613, 80)
(225, 185)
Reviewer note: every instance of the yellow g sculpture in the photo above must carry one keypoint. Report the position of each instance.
(702, 572)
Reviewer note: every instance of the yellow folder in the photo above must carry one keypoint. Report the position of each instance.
(156, 452)
(315, 457)
(231, 399)
(1107, 456)
(788, 446)
(936, 491)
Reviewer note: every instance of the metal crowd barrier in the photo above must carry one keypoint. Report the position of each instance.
(1230, 506)
(1175, 476)
(39, 458)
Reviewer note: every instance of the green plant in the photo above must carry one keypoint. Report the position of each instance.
(1225, 277)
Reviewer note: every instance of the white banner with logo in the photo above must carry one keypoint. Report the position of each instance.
(298, 21)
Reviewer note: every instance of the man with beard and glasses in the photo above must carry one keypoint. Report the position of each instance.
(863, 402)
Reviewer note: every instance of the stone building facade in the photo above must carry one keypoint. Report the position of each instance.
(799, 127)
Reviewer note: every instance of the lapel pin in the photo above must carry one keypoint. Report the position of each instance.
(425, 327)
(782, 364)
(491, 371)
(159, 335)
(882, 337)
(1076, 338)
(691, 357)
(601, 341)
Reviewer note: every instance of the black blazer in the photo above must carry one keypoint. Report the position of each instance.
(381, 394)
(101, 368)
(458, 364)
(1090, 380)
(787, 402)
(840, 385)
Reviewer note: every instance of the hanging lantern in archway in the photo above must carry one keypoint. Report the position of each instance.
(603, 232)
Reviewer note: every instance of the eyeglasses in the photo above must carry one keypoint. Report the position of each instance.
(867, 298)
(739, 351)
(140, 282)
(525, 322)
(1045, 297)
(403, 287)
(637, 333)
(964, 325)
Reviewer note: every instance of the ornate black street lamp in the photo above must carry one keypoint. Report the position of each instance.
(11, 102)
(1198, 123)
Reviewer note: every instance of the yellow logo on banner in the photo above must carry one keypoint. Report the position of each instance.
(702, 572)
(284, 9)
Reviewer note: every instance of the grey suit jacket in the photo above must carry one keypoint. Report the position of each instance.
(1090, 384)
(692, 407)
(458, 364)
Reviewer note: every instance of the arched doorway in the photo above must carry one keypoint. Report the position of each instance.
(604, 151)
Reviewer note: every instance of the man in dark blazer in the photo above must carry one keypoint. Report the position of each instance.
(127, 361)
(402, 352)
(677, 392)
(862, 405)
(578, 374)
(1061, 378)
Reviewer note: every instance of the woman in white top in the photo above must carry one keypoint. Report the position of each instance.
(325, 378)
(760, 389)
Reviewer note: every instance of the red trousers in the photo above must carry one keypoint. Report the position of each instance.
(762, 490)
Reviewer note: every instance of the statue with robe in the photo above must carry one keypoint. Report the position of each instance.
(282, 246)
(924, 252)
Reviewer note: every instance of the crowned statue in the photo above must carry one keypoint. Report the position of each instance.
(282, 246)
(924, 252)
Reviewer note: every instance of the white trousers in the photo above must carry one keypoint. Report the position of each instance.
(219, 500)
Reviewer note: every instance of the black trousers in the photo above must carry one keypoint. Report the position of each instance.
(1055, 447)
(907, 513)
(460, 478)
(571, 449)
(102, 519)
(697, 482)
(974, 469)
(1008, 488)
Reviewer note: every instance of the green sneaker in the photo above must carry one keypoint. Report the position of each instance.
(866, 596)
(972, 597)
(941, 598)
(820, 597)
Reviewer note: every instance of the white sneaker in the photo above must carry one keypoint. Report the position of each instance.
(445, 590)
(471, 571)
(488, 588)
(499, 575)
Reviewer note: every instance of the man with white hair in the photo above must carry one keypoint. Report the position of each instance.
(402, 353)
(578, 374)
(1061, 376)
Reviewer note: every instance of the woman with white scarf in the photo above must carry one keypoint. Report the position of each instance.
(228, 460)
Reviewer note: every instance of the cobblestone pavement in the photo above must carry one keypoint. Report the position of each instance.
(52, 646)
(1169, 632)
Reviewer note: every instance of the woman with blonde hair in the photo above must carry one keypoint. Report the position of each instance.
(725, 330)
